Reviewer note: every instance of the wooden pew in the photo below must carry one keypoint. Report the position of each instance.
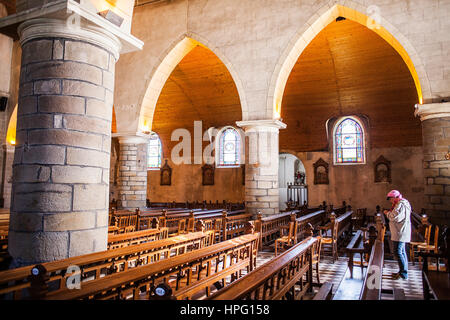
(276, 279)
(420, 233)
(362, 244)
(126, 239)
(315, 218)
(338, 226)
(371, 289)
(16, 282)
(269, 227)
(186, 275)
(436, 283)
(325, 291)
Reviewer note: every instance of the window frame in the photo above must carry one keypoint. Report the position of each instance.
(240, 152)
(363, 138)
(160, 152)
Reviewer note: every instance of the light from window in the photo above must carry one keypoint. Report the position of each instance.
(154, 152)
(349, 142)
(229, 148)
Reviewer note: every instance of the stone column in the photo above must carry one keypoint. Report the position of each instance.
(435, 119)
(61, 165)
(261, 165)
(132, 178)
(8, 157)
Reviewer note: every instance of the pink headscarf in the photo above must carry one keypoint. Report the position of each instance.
(396, 195)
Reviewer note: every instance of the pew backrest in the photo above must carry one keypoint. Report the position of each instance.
(92, 266)
(178, 272)
(371, 289)
(275, 278)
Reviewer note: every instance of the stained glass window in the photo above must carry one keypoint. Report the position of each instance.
(229, 147)
(154, 152)
(349, 142)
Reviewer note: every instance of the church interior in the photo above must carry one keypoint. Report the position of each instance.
(224, 150)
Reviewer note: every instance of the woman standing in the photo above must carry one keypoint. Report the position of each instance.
(400, 225)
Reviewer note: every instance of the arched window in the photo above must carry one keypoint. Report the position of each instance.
(349, 142)
(154, 152)
(229, 154)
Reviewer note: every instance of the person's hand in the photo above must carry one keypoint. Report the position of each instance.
(385, 212)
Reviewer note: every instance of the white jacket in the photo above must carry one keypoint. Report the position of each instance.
(400, 221)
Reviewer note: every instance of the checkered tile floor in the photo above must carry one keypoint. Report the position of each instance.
(328, 271)
(345, 288)
(412, 286)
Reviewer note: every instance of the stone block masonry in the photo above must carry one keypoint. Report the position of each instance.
(436, 148)
(132, 181)
(59, 191)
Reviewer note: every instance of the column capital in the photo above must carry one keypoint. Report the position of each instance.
(432, 110)
(71, 19)
(261, 125)
(131, 137)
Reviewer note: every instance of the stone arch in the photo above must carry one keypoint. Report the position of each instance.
(324, 16)
(170, 59)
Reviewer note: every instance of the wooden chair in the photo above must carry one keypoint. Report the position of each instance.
(329, 238)
(290, 238)
(316, 256)
(430, 247)
(414, 244)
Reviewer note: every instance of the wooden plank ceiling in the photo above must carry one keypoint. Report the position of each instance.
(199, 88)
(348, 69)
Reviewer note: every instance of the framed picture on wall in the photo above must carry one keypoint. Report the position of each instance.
(208, 175)
(166, 174)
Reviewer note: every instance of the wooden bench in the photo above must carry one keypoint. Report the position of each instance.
(362, 244)
(15, 283)
(315, 218)
(269, 227)
(436, 283)
(126, 239)
(335, 230)
(371, 288)
(186, 275)
(420, 233)
(325, 291)
(277, 279)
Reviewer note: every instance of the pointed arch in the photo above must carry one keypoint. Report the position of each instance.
(171, 58)
(12, 128)
(324, 16)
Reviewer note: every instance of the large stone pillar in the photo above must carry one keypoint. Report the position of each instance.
(261, 165)
(435, 119)
(132, 177)
(61, 165)
(8, 157)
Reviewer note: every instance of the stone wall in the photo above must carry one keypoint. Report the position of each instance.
(436, 139)
(355, 183)
(187, 185)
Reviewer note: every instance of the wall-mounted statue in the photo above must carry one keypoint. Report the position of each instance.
(166, 174)
(299, 178)
(382, 170)
(208, 175)
(321, 172)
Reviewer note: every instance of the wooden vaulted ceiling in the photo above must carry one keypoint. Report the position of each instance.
(199, 88)
(348, 69)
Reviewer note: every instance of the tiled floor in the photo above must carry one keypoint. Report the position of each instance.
(346, 288)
